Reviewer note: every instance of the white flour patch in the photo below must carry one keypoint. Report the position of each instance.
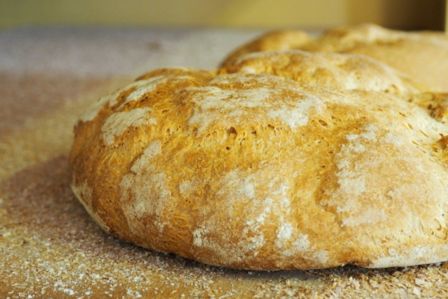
(393, 139)
(144, 191)
(321, 256)
(215, 104)
(248, 70)
(143, 87)
(370, 216)
(412, 256)
(185, 188)
(255, 242)
(198, 237)
(152, 150)
(298, 246)
(368, 134)
(353, 174)
(117, 123)
(255, 203)
(297, 115)
(248, 189)
(301, 243)
(284, 233)
(351, 179)
(237, 187)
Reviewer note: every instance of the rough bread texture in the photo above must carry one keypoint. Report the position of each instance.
(271, 41)
(255, 171)
(325, 70)
(422, 56)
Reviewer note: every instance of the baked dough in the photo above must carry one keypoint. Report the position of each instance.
(272, 41)
(256, 171)
(325, 70)
(422, 56)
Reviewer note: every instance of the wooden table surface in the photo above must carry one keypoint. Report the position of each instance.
(49, 247)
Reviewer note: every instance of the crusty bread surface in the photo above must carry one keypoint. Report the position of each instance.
(326, 70)
(422, 56)
(272, 41)
(263, 171)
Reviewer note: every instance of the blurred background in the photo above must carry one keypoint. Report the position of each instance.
(315, 14)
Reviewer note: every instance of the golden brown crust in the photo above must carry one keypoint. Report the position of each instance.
(255, 171)
(435, 103)
(271, 41)
(421, 56)
(324, 70)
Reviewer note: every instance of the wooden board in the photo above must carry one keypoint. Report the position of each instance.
(49, 247)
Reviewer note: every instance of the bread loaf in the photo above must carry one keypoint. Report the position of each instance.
(267, 172)
(422, 56)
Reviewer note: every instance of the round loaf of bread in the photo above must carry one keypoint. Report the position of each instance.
(422, 56)
(256, 171)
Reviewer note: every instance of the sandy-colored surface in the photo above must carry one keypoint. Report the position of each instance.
(49, 247)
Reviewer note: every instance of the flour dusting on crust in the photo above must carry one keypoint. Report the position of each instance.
(284, 102)
(143, 190)
(117, 123)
